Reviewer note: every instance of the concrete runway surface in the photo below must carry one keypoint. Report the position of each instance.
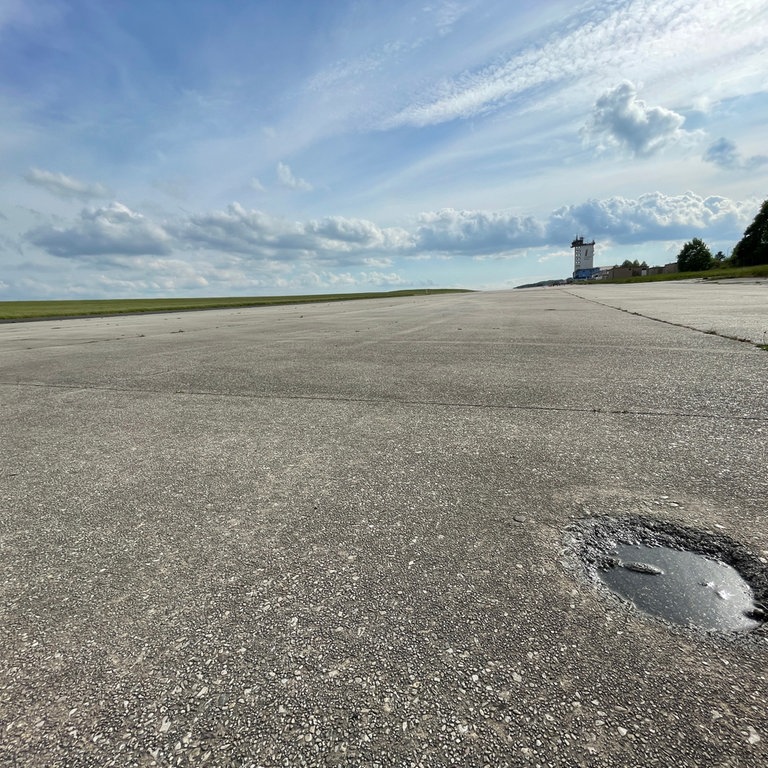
(335, 534)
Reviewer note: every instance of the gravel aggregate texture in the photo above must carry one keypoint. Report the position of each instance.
(342, 534)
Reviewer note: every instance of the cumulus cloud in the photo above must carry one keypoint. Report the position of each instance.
(340, 232)
(475, 232)
(340, 229)
(619, 118)
(113, 230)
(238, 230)
(653, 216)
(725, 154)
(237, 246)
(260, 235)
(65, 186)
(286, 178)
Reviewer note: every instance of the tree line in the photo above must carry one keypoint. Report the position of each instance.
(751, 250)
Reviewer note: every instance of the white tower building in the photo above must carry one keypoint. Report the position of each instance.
(583, 254)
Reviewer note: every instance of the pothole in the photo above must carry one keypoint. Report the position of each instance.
(684, 576)
(681, 587)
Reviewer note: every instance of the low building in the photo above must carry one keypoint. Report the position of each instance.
(617, 273)
(586, 274)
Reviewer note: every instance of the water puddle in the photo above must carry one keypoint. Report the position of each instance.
(682, 587)
(700, 579)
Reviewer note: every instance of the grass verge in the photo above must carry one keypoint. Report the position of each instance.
(728, 273)
(35, 310)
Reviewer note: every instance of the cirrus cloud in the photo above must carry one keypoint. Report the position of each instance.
(65, 186)
(287, 179)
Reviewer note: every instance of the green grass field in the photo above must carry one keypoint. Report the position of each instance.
(761, 270)
(32, 310)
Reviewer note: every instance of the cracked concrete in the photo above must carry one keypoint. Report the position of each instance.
(733, 309)
(333, 535)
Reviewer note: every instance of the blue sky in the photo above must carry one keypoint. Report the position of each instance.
(294, 146)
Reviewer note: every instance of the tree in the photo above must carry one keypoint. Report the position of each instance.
(753, 247)
(694, 256)
(627, 264)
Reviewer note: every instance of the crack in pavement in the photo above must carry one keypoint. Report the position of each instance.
(666, 322)
(380, 401)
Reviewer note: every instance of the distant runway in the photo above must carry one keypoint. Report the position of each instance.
(336, 534)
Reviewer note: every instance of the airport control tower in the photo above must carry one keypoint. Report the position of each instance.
(583, 256)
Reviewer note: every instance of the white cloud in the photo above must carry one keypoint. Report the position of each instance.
(502, 256)
(554, 256)
(238, 230)
(338, 232)
(156, 276)
(486, 99)
(250, 249)
(475, 232)
(378, 263)
(259, 235)
(340, 229)
(383, 279)
(621, 119)
(286, 178)
(447, 13)
(652, 217)
(65, 186)
(113, 230)
(725, 154)
(347, 281)
(642, 39)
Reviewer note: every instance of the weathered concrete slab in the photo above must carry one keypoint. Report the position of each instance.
(333, 535)
(734, 308)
